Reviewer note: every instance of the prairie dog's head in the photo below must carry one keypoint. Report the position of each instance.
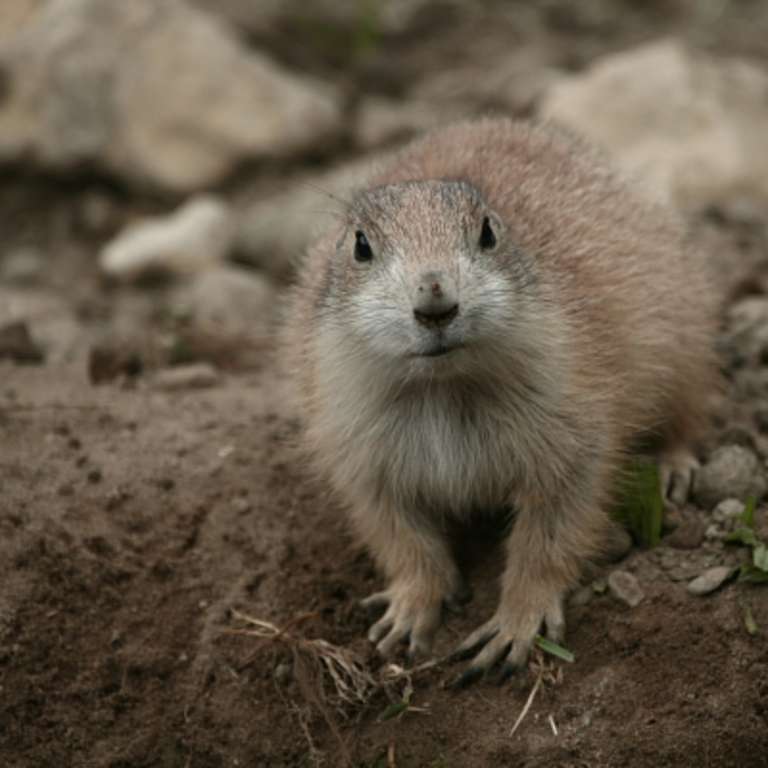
(425, 277)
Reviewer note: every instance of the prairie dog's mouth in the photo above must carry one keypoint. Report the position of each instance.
(438, 350)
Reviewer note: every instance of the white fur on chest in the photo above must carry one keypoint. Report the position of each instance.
(426, 450)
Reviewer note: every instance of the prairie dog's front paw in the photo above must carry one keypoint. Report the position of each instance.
(413, 613)
(508, 637)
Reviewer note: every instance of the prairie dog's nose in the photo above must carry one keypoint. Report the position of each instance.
(436, 302)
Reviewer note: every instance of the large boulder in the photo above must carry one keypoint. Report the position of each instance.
(156, 91)
(692, 126)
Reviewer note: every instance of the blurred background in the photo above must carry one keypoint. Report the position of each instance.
(164, 162)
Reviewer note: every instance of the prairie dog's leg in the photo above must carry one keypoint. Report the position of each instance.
(551, 539)
(415, 556)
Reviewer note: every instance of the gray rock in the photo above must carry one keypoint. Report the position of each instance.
(746, 338)
(625, 588)
(728, 511)
(154, 90)
(691, 126)
(262, 17)
(193, 238)
(714, 533)
(194, 376)
(17, 344)
(710, 580)
(380, 120)
(14, 14)
(23, 266)
(581, 596)
(689, 535)
(732, 471)
(618, 544)
(227, 303)
(511, 83)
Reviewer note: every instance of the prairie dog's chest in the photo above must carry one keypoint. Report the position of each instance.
(455, 456)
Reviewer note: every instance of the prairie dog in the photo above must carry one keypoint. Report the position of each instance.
(494, 321)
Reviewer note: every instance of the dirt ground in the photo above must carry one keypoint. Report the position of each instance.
(135, 523)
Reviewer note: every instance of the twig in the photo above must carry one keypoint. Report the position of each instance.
(528, 703)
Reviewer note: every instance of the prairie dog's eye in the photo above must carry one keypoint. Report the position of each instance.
(363, 250)
(487, 235)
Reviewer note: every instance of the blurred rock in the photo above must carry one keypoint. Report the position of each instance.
(512, 83)
(195, 237)
(14, 14)
(50, 321)
(728, 511)
(731, 472)
(273, 233)
(227, 303)
(382, 121)
(195, 376)
(690, 126)
(746, 337)
(689, 535)
(153, 90)
(114, 358)
(625, 587)
(23, 266)
(710, 580)
(17, 344)
(261, 18)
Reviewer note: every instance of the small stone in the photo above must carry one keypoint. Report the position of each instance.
(714, 532)
(689, 535)
(618, 544)
(625, 588)
(17, 344)
(24, 266)
(114, 358)
(581, 597)
(673, 519)
(283, 673)
(194, 376)
(710, 580)
(94, 476)
(728, 509)
(732, 471)
(195, 237)
(241, 505)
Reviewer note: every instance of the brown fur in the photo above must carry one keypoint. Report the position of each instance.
(590, 323)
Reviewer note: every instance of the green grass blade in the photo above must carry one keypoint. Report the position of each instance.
(748, 515)
(640, 505)
(554, 649)
(760, 557)
(749, 621)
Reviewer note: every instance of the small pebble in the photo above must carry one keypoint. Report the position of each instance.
(689, 535)
(728, 509)
(710, 580)
(194, 376)
(24, 266)
(94, 476)
(715, 533)
(618, 544)
(625, 588)
(581, 597)
(283, 673)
